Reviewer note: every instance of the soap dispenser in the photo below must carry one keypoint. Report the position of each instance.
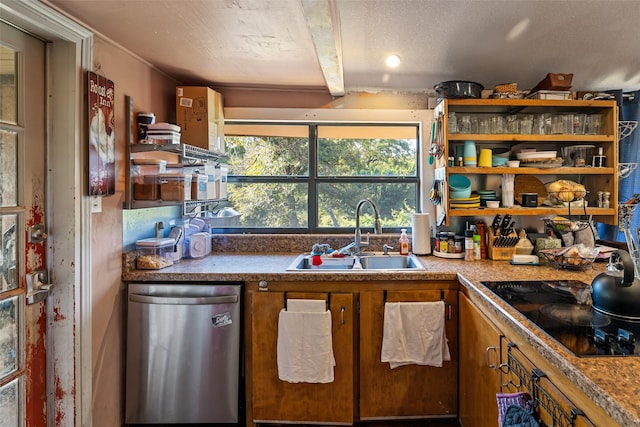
(404, 242)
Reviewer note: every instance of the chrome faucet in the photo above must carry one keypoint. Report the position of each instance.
(377, 228)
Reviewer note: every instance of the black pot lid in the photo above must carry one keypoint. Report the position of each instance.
(575, 315)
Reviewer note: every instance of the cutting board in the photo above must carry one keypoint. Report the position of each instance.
(529, 184)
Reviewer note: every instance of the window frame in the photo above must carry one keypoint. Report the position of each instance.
(313, 180)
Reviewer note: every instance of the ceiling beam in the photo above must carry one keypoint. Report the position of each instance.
(323, 21)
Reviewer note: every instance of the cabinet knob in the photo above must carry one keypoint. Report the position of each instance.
(262, 285)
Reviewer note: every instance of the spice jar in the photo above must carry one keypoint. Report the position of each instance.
(459, 244)
(444, 244)
(451, 242)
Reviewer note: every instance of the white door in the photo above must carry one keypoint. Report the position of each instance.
(23, 376)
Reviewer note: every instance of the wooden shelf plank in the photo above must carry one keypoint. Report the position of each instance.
(468, 170)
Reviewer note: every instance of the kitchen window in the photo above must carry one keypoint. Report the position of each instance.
(303, 177)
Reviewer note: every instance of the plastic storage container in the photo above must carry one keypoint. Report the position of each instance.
(199, 245)
(212, 191)
(221, 181)
(154, 253)
(145, 172)
(149, 167)
(199, 187)
(146, 187)
(175, 187)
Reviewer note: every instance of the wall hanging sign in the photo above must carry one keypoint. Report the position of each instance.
(102, 180)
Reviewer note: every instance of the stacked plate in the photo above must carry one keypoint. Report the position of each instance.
(486, 195)
(466, 202)
(539, 159)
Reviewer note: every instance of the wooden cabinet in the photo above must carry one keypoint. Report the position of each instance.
(272, 400)
(412, 390)
(491, 363)
(480, 357)
(595, 179)
(364, 388)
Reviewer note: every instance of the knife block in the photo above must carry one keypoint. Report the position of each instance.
(500, 253)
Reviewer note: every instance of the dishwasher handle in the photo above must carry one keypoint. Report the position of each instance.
(149, 299)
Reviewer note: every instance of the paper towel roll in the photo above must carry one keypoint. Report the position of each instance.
(420, 235)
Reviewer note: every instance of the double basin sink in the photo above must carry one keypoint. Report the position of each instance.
(367, 261)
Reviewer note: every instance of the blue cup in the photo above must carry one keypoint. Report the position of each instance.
(470, 156)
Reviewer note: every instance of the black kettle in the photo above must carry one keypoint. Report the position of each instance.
(618, 292)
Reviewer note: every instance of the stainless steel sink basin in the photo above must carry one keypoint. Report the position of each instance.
(371, 261)
(303, 262)
(390, 262)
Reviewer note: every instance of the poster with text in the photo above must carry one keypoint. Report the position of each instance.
(102, 180)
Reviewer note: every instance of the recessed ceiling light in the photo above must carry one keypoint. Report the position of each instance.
(393, 61)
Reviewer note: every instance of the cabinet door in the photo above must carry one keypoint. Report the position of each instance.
(479, 361)
(411, 390)
(275, 400)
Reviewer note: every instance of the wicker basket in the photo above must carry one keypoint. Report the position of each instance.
(506, 88)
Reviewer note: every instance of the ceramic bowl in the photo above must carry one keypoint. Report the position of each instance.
(460, 194)
(499, 161)
(459, 182)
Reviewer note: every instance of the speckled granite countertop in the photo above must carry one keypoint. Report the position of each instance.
(613, 382)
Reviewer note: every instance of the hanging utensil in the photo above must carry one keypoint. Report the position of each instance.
(433, 148)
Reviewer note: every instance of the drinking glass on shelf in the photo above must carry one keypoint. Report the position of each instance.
(485, 125)
(526, 124)
(546, 120)
(594, 124)
(537, 126)
(512, 124)
(497, 124)
(579, 121)
(452, 123)
(475, 125)
(557, 124)
(465, 124)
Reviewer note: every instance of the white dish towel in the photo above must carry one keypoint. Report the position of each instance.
(305, 346)
(414, 333)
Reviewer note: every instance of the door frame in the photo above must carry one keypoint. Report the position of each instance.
(69, 55)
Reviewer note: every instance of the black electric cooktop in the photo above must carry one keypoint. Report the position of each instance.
(561, 308)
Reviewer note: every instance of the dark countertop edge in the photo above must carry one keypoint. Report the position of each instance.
(251, 269)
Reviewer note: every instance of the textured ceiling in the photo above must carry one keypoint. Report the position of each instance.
(261, 43)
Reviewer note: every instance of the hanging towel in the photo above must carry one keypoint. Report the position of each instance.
(305, 347)
(306, 305)
(521, 398)
(517, 416)
(414, 333)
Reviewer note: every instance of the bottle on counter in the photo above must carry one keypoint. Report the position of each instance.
(468, 245)
(477, 250)
(403, 242)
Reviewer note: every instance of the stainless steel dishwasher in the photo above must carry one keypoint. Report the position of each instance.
(183, 353)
